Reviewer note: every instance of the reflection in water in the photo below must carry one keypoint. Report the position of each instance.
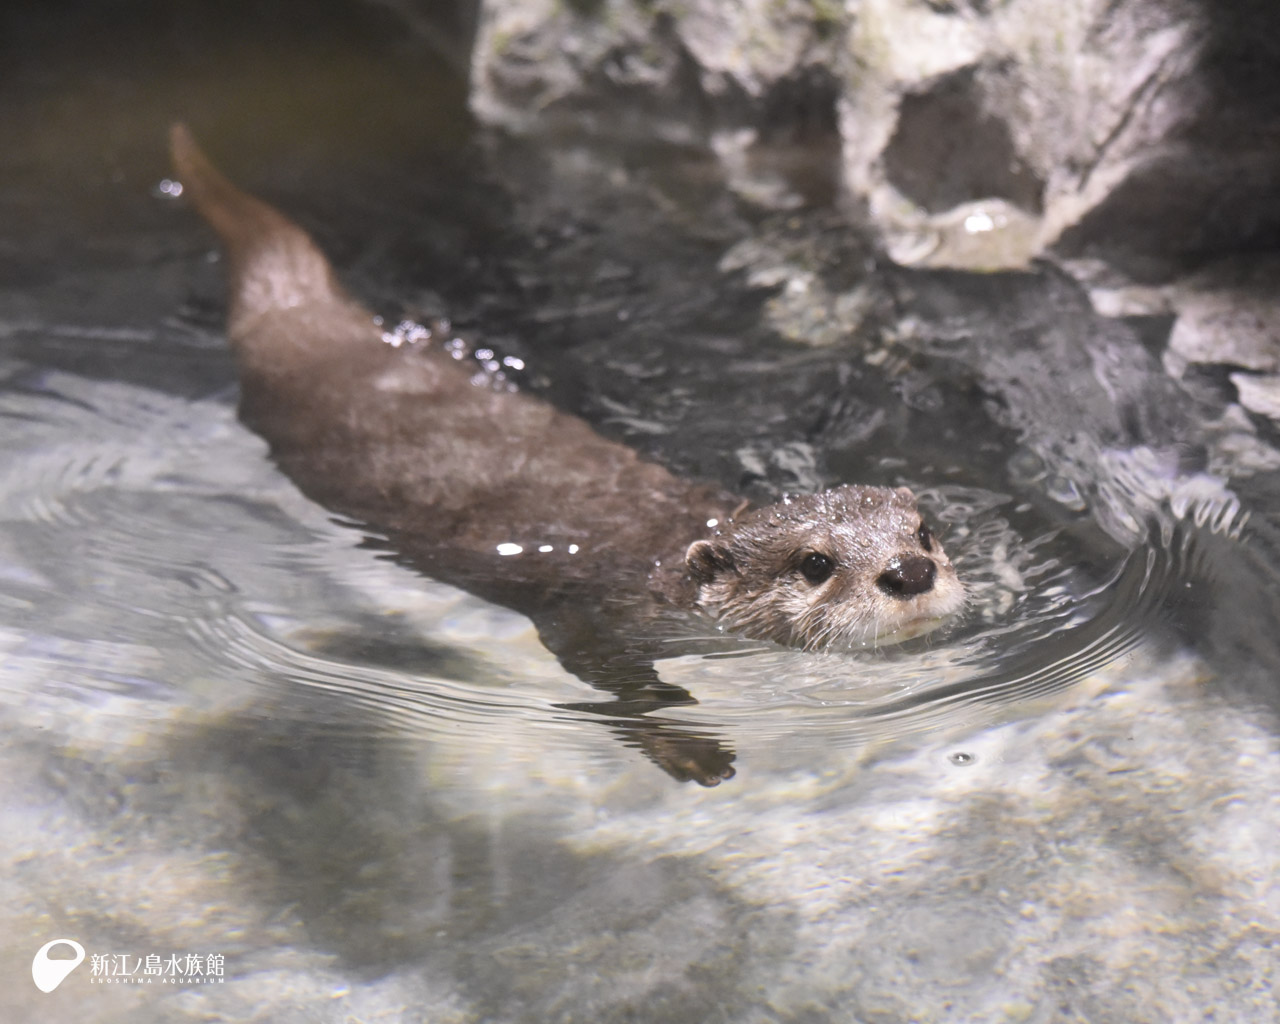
(374, 774)
(228, 727)
(1036, 624)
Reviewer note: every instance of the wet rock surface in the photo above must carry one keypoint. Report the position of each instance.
(1133, 144)
(1139, 132)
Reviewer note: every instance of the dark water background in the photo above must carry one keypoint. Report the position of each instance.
(231, 729)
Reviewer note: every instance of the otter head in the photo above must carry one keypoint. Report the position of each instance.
(846, 567)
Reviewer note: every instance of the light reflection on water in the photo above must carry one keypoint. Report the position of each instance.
(228, 727)
(375, 768)
(178, 528)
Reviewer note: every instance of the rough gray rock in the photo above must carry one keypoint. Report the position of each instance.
(979, 134)
(684, 68)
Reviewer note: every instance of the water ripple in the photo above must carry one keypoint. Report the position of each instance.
(159, 525)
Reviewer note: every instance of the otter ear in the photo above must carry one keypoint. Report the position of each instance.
(706, 560)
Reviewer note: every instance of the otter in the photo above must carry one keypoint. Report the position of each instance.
(496, 491)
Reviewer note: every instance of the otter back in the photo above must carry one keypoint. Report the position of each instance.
(501, 493)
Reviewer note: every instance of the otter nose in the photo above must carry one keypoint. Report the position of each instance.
(907, 576)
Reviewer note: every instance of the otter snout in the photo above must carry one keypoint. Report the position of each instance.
(906, 577)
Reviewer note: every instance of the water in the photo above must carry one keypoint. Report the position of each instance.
(232, 729)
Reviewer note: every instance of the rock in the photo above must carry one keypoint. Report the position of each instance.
(671, 70)
(1227, 316)
(977, 134)
(1259, 394)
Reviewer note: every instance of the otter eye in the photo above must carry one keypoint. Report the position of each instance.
(925, 537)
(817, 567)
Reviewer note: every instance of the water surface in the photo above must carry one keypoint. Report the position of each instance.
(232, 728)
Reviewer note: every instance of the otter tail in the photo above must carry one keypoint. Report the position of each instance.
(273, 264)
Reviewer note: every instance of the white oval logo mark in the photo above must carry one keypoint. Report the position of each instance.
(49, 974)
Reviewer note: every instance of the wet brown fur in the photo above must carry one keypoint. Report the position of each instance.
(403, 441)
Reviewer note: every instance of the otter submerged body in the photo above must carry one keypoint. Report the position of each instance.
(500, 493)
